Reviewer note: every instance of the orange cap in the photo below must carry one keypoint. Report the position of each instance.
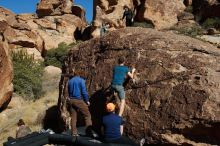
(110, 107)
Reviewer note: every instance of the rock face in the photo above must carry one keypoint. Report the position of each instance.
(108, 11)
(6, 86)
(176, 87)
(51, 79)
(54, 7)
(35, 35)
(39, 34)
(206, 8)
(162, 14)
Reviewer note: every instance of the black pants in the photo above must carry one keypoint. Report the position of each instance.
(122, 140)
(129, 22)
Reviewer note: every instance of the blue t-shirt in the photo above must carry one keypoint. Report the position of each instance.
(119, 74)
(77, 89)
(112, 123)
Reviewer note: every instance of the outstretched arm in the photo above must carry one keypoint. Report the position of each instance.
(121, 129)
(131, 74)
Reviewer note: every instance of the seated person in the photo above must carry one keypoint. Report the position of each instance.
(22, 130)
(113, 127)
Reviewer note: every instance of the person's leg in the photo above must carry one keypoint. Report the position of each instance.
(73, 113)
(122, 107)
(127, 23)
(121, 93)
(130, 22)
(84, 109)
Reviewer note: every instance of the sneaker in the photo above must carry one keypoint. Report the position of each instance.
(75, 135)
(142, 142)
(91, 133)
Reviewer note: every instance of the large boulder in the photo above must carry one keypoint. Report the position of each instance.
(37, 35)
(176, 87)
(51, 79)
(6, 18)
(6, 86)
(54, 7)
(7, 15)
(3, 24)
(58, 29)
(108, 11)
(162, 13)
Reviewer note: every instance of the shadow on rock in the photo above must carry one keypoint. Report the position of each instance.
(52, 120)
(97, 108)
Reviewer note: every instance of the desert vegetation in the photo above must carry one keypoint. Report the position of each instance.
(27, 75)
(56, 56)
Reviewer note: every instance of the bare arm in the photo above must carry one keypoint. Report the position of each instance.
(131, 74)
(121, 129)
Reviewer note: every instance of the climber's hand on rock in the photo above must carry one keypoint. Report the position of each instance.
(133, 70)
(88, 103)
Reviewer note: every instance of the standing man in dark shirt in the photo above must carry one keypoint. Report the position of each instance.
(79, 100)
(128, 15)
(119, 74)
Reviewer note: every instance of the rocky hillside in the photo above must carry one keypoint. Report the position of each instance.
(162, 14)
(54, 23)
(176, 89)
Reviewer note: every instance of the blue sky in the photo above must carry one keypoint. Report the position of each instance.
(29, 6)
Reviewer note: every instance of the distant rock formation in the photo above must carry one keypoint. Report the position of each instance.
(162, 14)
(54, 7)
(36, 34)
(175, 91)
(41, 32)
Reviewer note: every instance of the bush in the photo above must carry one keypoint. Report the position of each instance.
(189, 9)
(56, 56)
(190, 31)
(211, 23)
(143, 24)
(27, 75)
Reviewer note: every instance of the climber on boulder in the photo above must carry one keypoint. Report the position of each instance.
(78, 101)
(103, 29)
(119, 74)
(128, 15)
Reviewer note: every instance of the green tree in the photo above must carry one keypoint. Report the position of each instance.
(27, 75)
(56, 56)
(211, 22)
